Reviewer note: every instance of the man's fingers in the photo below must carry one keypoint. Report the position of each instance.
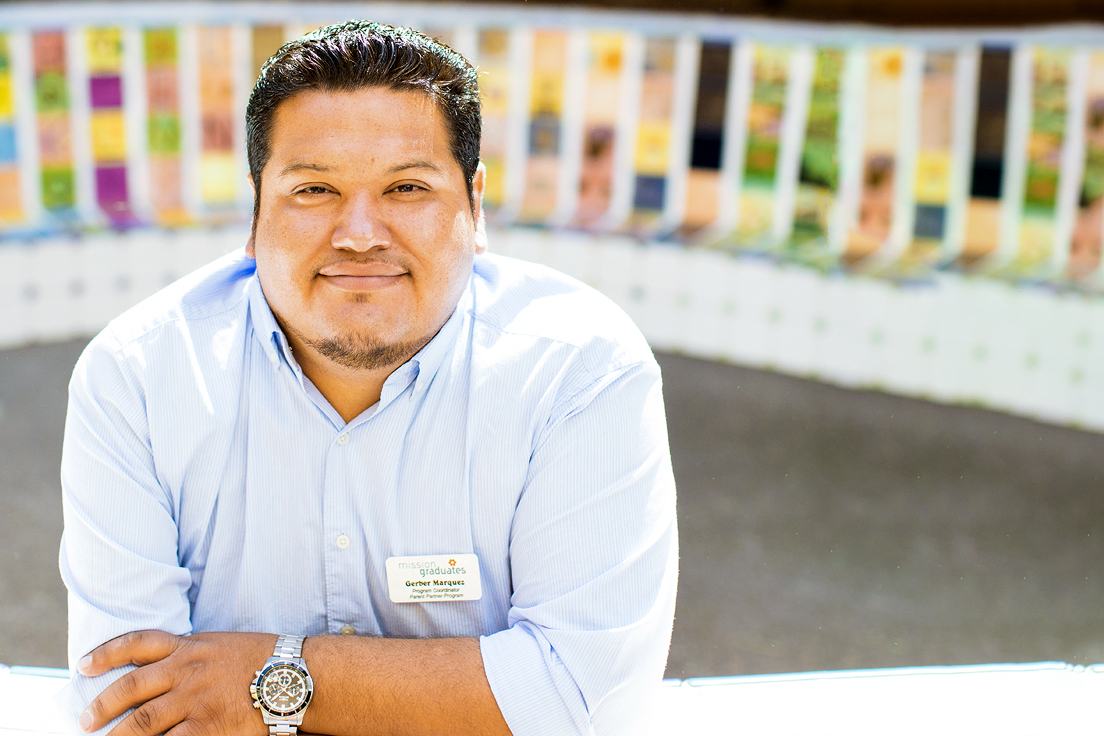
(140, 687)
(155, 717)
(137, 647)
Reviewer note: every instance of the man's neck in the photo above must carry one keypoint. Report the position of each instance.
(350, 391)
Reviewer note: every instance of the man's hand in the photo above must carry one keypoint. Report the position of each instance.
(190, 684)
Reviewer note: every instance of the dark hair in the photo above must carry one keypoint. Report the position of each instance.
(349, 56)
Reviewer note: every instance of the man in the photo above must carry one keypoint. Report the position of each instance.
(448, 471)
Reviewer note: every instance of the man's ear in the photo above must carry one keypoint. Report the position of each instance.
(250, 245)
(479, 183)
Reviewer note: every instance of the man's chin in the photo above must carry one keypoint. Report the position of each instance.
(360, 353)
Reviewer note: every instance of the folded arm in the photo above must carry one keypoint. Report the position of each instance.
(200, 684)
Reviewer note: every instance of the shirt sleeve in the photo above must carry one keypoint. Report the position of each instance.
(118, 555)
(594, 565)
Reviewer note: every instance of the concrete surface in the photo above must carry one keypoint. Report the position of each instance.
(821, 528)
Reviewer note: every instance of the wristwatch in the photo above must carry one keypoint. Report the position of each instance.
(282, 689)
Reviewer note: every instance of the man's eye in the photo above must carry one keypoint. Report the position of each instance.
(406, 188)
(312, 190)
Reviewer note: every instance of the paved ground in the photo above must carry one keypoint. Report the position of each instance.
(821, 528)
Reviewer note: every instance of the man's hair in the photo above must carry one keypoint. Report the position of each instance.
(346, 57)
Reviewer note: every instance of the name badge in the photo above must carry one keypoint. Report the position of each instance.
(433, 578)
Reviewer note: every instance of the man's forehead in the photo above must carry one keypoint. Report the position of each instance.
(341, 99)
(312, 129)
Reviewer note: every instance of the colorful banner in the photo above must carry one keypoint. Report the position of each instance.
(983, 225)
(55, 147)
(818, 177)
(934, 155)
(605, 56)
(1088, 229)
(165, 125)
(706, 152)
(107, 124)
(494, 83)
(1050, 75)
(11, 210)
(878, 151)
(882, 133)
(546, 101)
(770, 77)
(653, 133)
(218, 170)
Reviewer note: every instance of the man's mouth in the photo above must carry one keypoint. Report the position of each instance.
(358, 276)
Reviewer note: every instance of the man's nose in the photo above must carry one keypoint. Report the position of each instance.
(360, 225)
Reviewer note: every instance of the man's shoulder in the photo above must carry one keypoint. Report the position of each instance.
(531, 300)
(213, 290)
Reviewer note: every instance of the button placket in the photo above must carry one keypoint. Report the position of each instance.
(342, 565)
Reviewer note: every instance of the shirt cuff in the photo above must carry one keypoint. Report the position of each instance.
(533, 689)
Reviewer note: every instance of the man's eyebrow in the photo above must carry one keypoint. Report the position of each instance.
(295, 167)
(396, 169)
(421, 164)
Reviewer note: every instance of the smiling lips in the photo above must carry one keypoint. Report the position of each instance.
(355, 276)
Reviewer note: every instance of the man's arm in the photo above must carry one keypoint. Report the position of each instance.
(118, 555)
(200, 684)
(594, 565)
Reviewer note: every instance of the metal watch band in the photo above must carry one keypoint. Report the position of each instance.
(289, 646)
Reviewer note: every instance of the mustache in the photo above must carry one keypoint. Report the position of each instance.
(393, 261)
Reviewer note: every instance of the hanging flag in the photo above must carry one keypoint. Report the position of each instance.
(932, 179)
(494, 83)
(770, 77)
(881, 129)
(107, 124)
(653, 133)
(819, 174)
(164, 131)
(11, 210)
(218, 170)
(603, 104)
(1050, 75)
(55, 147)
(546, 103)
(707, 146)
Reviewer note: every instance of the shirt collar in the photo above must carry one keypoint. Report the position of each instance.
(272, 338)
(429, 359)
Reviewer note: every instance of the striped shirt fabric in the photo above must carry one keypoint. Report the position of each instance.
(209, 486)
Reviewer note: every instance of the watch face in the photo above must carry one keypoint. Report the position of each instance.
(284, 688)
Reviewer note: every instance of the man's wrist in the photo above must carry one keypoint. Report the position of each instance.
(283, 687)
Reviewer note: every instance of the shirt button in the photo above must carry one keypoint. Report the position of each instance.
(343, 438)
(342, 542)
(348, 630)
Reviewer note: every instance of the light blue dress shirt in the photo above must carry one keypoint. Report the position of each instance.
(208, 486)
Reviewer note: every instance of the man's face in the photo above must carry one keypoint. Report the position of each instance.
(365, 235)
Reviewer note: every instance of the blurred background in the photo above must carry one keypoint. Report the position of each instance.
(863, 238)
